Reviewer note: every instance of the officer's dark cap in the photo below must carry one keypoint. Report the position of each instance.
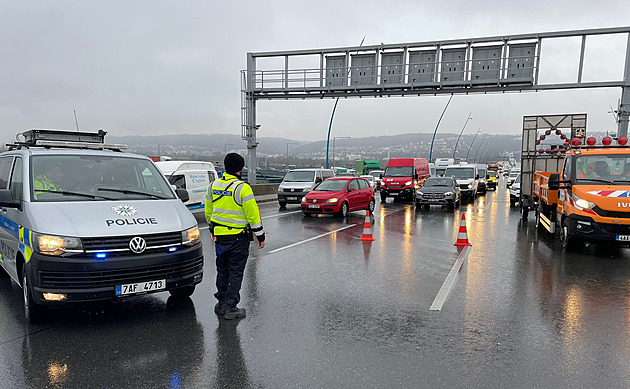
(233, 163)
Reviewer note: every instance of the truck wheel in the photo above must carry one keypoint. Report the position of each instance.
(186, 291)
(566, 238)
(33, 312)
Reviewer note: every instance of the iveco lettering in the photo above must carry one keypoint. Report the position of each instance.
(83, 221)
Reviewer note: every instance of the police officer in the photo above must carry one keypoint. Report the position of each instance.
(50, 180)
(232, 215)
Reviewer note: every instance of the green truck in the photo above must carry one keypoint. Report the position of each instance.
(365, 166)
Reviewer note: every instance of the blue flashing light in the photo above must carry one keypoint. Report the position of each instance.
(172, 249)
(101, 255)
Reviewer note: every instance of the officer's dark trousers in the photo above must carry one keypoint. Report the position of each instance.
(232, 252)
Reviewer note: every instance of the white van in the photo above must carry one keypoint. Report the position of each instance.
(466, 177)
(83, 221)
(193, 176)
(298, 182)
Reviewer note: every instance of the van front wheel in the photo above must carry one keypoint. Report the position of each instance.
(33, 312)
(186, 291)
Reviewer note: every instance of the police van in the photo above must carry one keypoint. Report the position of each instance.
(192, 176)
(83, 221)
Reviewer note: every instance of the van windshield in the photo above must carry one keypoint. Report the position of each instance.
(460, 172)
(398, 171)
(96, 177)
(300, 176)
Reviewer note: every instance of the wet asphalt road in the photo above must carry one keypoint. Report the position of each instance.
(327, 310)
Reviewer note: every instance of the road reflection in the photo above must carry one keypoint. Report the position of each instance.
(157, 349)
(231, 367)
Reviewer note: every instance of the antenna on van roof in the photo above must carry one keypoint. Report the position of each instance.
(76, 121)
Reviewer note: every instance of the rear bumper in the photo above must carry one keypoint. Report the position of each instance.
(84, 278)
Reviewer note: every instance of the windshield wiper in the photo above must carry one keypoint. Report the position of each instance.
(127, 191)
(595, 179)
(67, 193)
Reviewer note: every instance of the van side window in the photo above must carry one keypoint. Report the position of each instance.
(178, 180)
(211, 176)
(327, 174)
(5, 169)
(17, 180)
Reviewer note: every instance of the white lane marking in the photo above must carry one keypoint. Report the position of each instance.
(262, 217)
(440, 299)
(310, 239)
(279, 215)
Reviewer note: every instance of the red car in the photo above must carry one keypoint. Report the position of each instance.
(339, 195)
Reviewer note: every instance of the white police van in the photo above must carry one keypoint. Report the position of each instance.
(192, 176)
(110, 227)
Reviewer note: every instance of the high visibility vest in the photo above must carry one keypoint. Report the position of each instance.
(230, 206)
(42, 182)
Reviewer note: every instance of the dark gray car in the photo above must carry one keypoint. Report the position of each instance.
(439, 191)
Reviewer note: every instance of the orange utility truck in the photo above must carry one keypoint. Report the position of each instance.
(588, 197)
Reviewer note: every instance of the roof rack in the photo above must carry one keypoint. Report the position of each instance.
(64, 139)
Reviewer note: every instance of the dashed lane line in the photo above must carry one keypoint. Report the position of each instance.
(440, 299)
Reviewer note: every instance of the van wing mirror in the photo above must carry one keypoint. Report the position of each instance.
(554, 181)
(477, 177)
(380, 176)
(6, 199)
(182, 194)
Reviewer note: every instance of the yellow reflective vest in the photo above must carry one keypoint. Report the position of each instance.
(230, 206)
(42, 182)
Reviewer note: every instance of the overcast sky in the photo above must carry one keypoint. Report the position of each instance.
(167, 67)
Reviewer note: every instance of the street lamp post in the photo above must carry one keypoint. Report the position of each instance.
(333, 151)
(460, 134)
(472, 143)
(286, 165)
(478, 148)
(436, 128)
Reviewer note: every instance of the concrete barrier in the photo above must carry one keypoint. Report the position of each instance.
(265, 189)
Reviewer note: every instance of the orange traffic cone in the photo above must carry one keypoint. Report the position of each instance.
(462, 236)
(367, 228)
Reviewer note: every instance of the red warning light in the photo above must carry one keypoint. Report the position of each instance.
(576, 141)
(541, 151)
(548, 132)
(591, 141)
(607, 141)
(622, 140)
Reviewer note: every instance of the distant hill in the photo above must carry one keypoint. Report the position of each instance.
(365, 147)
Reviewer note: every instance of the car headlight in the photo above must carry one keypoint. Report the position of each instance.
(190, 236)
(55, 245)
(333, 200)
(408, 182)
(583, 203)
(468, 186)
(304, 199)
(448, 194)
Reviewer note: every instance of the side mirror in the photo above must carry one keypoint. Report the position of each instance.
(477, 177)
(182, 194)
(554, 181)
(487, 176)
(351, 189)
(318, 180)
(6, 199)
(415, 176)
